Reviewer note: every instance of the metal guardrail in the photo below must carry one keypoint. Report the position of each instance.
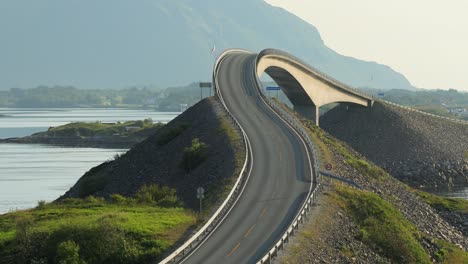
(312, 196)
(196, 240)
(422, 112)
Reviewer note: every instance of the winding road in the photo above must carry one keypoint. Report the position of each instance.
(280, 177)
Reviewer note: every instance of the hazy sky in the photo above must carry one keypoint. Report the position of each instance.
(426, 40)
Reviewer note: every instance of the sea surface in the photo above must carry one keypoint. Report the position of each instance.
(33, 172)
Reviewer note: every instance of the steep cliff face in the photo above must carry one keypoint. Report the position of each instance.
(158, 159)
(418, 149)
(116, 43)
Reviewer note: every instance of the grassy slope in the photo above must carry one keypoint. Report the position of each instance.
(443, 203)
(381, 224)
(105, 232)
(111, 232)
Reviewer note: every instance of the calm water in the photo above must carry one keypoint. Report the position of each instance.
(30, 173)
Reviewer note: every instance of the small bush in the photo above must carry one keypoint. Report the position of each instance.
(118, 199)
(155, 194)
(169, 133)
(24, 243)
(94, 200)
(41, 205)
(194, 155)
(68, 253)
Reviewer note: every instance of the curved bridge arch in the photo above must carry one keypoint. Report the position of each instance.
(307, 88)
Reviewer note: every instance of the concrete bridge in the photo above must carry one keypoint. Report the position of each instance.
(307, 88)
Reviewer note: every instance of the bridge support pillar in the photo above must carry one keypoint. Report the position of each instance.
(311, 112)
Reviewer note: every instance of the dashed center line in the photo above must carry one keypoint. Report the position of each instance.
(234, 249)
(248, 231)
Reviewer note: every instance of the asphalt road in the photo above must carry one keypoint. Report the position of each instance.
(280, 177)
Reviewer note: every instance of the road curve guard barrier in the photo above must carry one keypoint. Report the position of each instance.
(315, 183)
(201, 235)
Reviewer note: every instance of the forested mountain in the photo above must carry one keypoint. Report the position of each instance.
(118, 43)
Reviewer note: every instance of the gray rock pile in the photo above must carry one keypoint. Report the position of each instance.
(418, 149)
(157, 160)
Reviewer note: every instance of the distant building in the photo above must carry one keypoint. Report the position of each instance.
(457, 110)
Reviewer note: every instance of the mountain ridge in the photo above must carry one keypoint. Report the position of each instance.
(113, 44)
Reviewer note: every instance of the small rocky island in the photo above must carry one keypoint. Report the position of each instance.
(96, 134)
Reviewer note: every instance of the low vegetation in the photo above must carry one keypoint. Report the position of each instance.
(194, 155)
(449, 253)
(360, 164)
(169, 133)
(382, 226)
(92, 230)
(444, 203)
(86, 129)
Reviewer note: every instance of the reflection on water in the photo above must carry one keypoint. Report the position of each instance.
(30, 173)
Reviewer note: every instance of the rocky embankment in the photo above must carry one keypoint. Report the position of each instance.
(332, 236)
(418, 149)
(157, 160)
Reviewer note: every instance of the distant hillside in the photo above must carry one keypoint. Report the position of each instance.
(118, 43)
(418, 149)
(159, 159)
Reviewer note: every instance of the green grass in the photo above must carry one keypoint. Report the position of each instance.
(105, 232)
(448, 253)
(360, 164)
(382, 226)
(87, 129)
(444, 203)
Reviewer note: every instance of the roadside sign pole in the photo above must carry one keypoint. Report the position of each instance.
(273, 88)
(204, 85)
(200, 196)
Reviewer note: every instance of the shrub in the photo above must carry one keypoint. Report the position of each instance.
(68, 253)
(41, 204)
(169, 133)
(194, 155)
(24, 243)
(163, 196)
(94, 200)
(118, 199)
